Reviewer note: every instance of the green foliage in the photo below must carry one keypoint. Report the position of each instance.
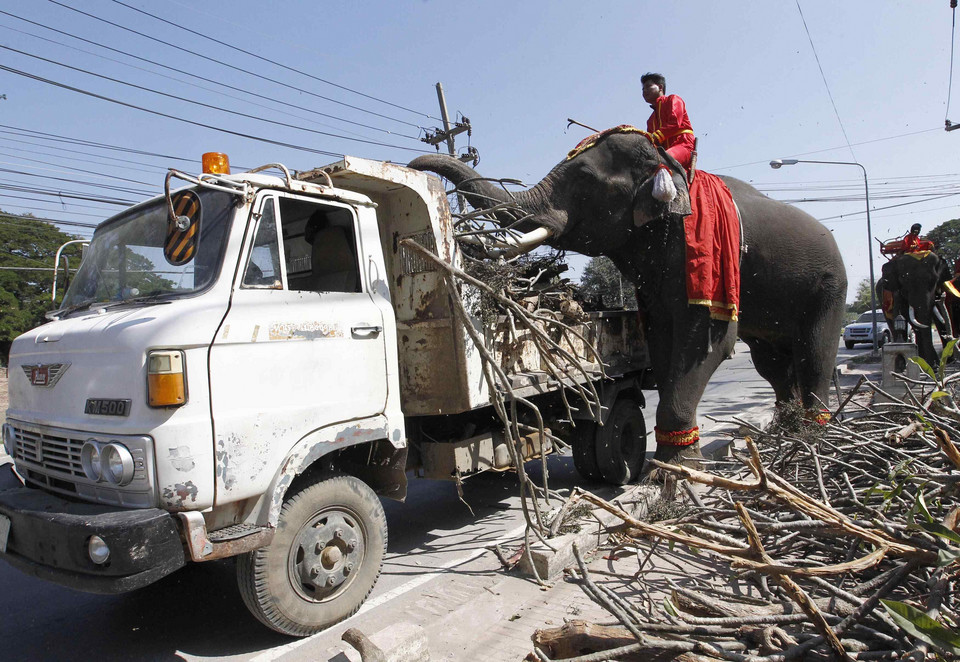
(946, 237)
(921, 626)
(25, 294)
(861, 302)
(604, 285)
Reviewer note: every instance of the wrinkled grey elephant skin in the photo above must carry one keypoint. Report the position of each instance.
(793, 281)
(915, 280)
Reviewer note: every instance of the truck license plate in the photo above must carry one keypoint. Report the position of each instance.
(4, 532)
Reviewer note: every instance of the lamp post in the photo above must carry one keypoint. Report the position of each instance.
(778, 163)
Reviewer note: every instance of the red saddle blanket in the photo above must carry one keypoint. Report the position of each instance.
(713, 248)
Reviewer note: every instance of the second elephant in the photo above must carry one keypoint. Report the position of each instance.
(910, 287)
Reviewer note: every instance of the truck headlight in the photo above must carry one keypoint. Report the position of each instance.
(90, 459)
(9, 439)
(116, 463)
(166, 386)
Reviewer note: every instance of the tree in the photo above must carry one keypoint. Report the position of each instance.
(29, 246)
(861, 302)
(603, 284)
(946, 236)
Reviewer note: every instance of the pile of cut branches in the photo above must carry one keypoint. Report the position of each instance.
(841, 544)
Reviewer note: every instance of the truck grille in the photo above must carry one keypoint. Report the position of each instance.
(49, 458)
(60, 454)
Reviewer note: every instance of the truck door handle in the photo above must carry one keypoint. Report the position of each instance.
(366, 330)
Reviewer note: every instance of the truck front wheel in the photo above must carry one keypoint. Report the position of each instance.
(323, 561)
(622, 443)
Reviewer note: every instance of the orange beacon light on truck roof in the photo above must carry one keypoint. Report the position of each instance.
(216, 163)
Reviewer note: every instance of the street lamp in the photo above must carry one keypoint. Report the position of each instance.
(776, 164)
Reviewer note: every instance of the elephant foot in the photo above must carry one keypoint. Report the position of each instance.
(678, 447)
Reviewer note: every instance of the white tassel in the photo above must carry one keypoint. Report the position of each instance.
(664, 189)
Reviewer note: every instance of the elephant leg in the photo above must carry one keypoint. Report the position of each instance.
(686, 351)
(815, 355)
(776, 366)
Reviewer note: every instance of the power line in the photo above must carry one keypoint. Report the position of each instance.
(832, 149)
(77, 224)
(235, 68)
(273, 62)
(192, 75)
(210, 106)
(238, 134)
(825, 84)
(73, 195)
(67, 169)
(153, 169)
(90, 143)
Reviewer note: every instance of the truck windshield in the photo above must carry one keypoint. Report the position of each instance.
(136, 255)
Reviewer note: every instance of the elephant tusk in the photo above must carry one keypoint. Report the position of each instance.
(936, 313)
(510, 246)
(913, 320)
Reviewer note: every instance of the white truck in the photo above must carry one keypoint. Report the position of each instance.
(241, 366)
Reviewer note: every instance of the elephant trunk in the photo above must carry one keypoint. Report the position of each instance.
(482, 194)
(913, 320)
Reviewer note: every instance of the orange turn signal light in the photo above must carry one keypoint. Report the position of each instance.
(216, 163)
(165, 383)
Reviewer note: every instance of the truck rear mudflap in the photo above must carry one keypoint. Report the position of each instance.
(49, 537)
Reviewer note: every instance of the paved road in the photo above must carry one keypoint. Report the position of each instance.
(437, 573)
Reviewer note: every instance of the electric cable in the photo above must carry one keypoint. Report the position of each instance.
(211, 106)
(47, 220)
(282, 66)
(825, 84)
(66, 168)
(90, 143)
(152, 169)
(235, 68)
(238, 134)
(192, 75)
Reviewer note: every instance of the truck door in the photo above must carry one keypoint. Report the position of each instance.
(302, 345)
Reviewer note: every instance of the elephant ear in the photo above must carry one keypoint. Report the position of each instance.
(891, 276)
(647, 208)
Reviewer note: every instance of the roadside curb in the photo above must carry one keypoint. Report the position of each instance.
(550, 564)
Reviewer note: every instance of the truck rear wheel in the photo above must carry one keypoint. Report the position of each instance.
(622, 443)
(323, 561)
(585, 451)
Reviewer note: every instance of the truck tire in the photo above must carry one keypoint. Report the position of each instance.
(585, 451)
(323, 561)
(622, 443)
(849, 344)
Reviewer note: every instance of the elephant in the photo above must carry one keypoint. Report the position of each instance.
(793, 282)
(911, 286)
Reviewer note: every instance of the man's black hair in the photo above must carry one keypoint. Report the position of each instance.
(915, 228)
(657, 79)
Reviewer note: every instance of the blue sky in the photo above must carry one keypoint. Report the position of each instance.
(746, 70)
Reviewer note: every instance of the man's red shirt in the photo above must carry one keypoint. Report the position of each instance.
(670, 127)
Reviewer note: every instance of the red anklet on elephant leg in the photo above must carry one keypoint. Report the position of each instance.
(678, 437)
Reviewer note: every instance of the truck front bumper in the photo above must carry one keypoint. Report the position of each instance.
(49, 539)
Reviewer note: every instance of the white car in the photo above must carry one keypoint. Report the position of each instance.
(861, 331)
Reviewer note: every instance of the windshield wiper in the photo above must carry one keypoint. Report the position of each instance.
(153, 297)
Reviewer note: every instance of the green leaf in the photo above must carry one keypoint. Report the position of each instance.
(945, 356)
(947, 556)
(939, 394)
(924, 366)
(920, 506)
(921, 626)
(940, 531)
(669, 608)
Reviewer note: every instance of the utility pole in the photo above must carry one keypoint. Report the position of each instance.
(448, 134)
